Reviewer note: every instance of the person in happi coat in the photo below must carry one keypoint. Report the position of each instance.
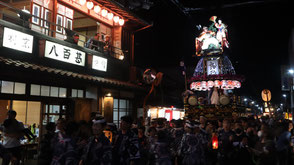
(64, 145)
(191, 148)
(225, 140)
(126, 146)
(177, 133)
(98, 150)
(161, 150)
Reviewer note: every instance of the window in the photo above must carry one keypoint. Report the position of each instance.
(47, 17)
(36, 12)
(121, 107)
(7, 87)
(59, 23)
(28, 112)
(62, 92)
(54, 91)
(68, 24)
(19, 88)
(77, 93)
(45, 90)
(35, 90)
(11, 87)
(49, 91)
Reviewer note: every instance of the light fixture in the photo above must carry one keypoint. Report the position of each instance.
(284, 95)
(108, 95)
(90, 5)
(97, 9)
(291, 71)
(109, 16)
(121, 22)
(104, 13)
(82, 2)
(116, 19)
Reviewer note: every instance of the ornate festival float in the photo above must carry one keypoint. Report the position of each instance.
(214, 78)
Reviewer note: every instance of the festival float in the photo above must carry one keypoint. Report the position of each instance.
(214, 77)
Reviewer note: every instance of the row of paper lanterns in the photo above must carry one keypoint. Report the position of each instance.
(104, 12)
(207, 85)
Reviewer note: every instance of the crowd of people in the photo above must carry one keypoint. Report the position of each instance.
(237, 140)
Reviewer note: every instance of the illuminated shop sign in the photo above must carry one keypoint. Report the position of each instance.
(64, 53)
(99, 63)
(17, 40)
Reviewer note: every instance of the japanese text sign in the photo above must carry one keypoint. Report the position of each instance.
(99, 63)
(17, 40)
(212, 67)
(64, 53)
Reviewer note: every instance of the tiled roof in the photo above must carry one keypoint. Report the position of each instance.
(26, 65)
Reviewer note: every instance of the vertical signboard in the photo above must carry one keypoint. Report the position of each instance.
(212, 67)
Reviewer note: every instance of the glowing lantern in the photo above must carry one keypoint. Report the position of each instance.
(230, 84)
(193, 85)
(121, 22)
(109, 16)
(104, 13)
(204, 85)
(217, 83)
(82, 2)
(224, 84)
(97, 9)
(210, 84)
(90, 5)
(214, 142)
(235, 83)
(116, 19)
(238, 85)
(198, 86)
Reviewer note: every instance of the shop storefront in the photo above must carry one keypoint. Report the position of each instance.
(169, 113)
(44, 78)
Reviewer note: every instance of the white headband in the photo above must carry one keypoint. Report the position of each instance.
(99, 121)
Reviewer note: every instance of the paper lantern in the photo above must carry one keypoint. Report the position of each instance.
(198, 86)
(230, 84)
(214, 142)
(116, 19)
(224, 84)
(82, 2)
(109, 16)
(104, 13)
(203, 85)
(217, 83)
(193, 85)
(210, 84)
(97, 9)
(235, 83)
(238, 85)
(121, 22)
(90, 5)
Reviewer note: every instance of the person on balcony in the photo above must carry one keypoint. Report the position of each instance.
(107, 47)
(93, 42)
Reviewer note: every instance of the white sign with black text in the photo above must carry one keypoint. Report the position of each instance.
(64, 53)
(99, 63)
(17, 40)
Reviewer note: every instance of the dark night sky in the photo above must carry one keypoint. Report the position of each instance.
(258, 36)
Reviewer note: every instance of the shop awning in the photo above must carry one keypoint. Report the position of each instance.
(118, 8)
(100, 80)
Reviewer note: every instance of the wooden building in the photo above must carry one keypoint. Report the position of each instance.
(46, 74)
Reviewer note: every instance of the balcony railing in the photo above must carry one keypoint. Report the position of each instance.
(24, 17)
